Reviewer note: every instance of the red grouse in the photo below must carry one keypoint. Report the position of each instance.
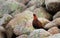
(36, 23)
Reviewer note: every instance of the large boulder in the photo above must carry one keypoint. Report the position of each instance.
(21, 19)
(52, 5)
(2, 2)
(23, 1)
(54, 30)
(57, 15)
(32, 8)
(55, 22)
(55, 36)
(39, 33)
(49, 25)
(38, 3)
(24, 25)
(10, 6)
(41, 12)
(5, 19)
(19, 9)
(23, 28)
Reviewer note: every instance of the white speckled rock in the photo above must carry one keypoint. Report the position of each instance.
(53, 5)
(2, 2)
(55, 36)
(41, 12)
(39, 33)
(21, 19)
(32, 8)
(10, 6)
(22, 1)
(22, 36)
(23, 29)
(54, 30)
(38, 3)
(19, 9)
(5, 19)
(49, 25)
(55, 22)
(57, 15)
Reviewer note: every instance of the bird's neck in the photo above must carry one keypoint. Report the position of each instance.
(35, 18)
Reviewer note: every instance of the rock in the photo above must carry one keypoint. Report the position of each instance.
(41, 12)
(57, 15)
(22, 36)
(19, 9)
(23, 29)
(21, 19)
(32, 8)
(5, 19)
(2, 2)
(38, 3)
(55, 22)
(39, 33)
(10, 6)
(55, 36)
(54, 30)
(49, 25)
(53, 5)
(16, 7)
(23, 1)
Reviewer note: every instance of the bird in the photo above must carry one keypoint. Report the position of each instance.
(36, 23)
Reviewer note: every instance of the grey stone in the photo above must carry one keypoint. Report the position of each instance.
(53, 5)
(38, 3)
(39, 33)
(57, 15)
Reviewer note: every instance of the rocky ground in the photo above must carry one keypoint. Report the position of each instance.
(16, 18)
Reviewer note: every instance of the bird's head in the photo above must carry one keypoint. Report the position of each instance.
(34, 16)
